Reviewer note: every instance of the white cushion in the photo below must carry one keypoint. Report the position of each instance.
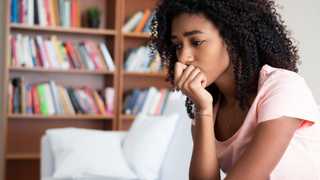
(146, 143)
(81, 153)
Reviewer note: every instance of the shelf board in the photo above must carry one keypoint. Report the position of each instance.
(145, 74)
(58, 29)
(128, 117)
(23, 156)
(137, 35)
(61, 117)
(70, 71)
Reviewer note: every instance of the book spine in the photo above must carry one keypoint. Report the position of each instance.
(132, 22)
(14, 61)
(107, 56)
(16, 95)
(55, 97)
(49, 98)
(35, 100)
(69, 108)
(14, 11)
(28, 99)
(143, 21)
(99, 102)
(30, 12)
(10, 100)
(110, 99)
(92, 55)
(67, 13)
(72, 56)
(74, 101)
(44, 109)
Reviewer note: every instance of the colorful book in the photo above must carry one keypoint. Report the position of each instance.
(143, 21)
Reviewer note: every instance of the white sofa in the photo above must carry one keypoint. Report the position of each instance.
(175, 165)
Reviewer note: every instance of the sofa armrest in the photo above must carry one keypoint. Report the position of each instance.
(46, 163)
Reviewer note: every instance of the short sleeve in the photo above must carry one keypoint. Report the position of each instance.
(287, 94)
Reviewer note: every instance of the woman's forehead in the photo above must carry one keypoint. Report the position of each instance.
(186, 24)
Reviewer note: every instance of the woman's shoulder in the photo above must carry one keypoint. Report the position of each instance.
(272, 77)
(285, 93)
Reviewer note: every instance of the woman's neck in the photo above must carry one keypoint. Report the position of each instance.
(227, 86)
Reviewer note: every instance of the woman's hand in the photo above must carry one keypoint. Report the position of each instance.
(192, 82)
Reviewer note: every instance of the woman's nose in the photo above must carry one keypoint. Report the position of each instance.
(186, 57)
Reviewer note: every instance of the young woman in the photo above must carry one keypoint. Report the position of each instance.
(254, 116)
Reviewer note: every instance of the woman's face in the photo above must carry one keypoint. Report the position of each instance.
(197, 42)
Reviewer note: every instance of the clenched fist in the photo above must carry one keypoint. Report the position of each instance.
(192, 82)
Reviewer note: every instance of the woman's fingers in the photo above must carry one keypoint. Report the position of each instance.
(178, 70)
(184, 76)
(187, 83)
(200, 78)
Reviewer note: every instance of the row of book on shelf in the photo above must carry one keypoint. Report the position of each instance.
(142, 59)
(64, 13)
(49, 98)
(152, 101)
(140, 21)
(52, 53)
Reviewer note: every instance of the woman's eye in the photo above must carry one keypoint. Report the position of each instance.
(177, 46)
(197, 43)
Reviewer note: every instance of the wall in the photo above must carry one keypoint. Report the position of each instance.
(302, 18)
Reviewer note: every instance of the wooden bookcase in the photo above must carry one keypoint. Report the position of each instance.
(20, 134)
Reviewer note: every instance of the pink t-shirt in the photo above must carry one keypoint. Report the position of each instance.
(280, 93)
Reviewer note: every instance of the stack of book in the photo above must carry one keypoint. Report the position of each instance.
(139, 22)
(48, 98)
(27, 51)
(64, 13)
(142, 60)
(150, 101)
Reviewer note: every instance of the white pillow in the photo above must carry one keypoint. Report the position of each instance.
(80, 153)
(147, 142)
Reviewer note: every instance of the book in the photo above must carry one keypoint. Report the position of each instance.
(44, 106)
(68, 109)
(14, 16)
(109, 98)
(74, 59)
(28, 99)
(100, 103)
(35, 100)
(93, 56)
(75, 14)
(143, 21)
(30, 11)
(55, 97)
(16, 84)
(147, 27)
(107, 56)
(132, 22)
(67, 13)
(78, 109)
(43, 53)
(10, 98)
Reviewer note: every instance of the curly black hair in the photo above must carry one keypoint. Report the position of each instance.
(253, 31)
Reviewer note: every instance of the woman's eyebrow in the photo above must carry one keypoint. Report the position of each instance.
(188, 33)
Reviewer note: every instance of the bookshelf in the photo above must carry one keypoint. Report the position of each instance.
(72, 30)
(21, 133)
(130, 80)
